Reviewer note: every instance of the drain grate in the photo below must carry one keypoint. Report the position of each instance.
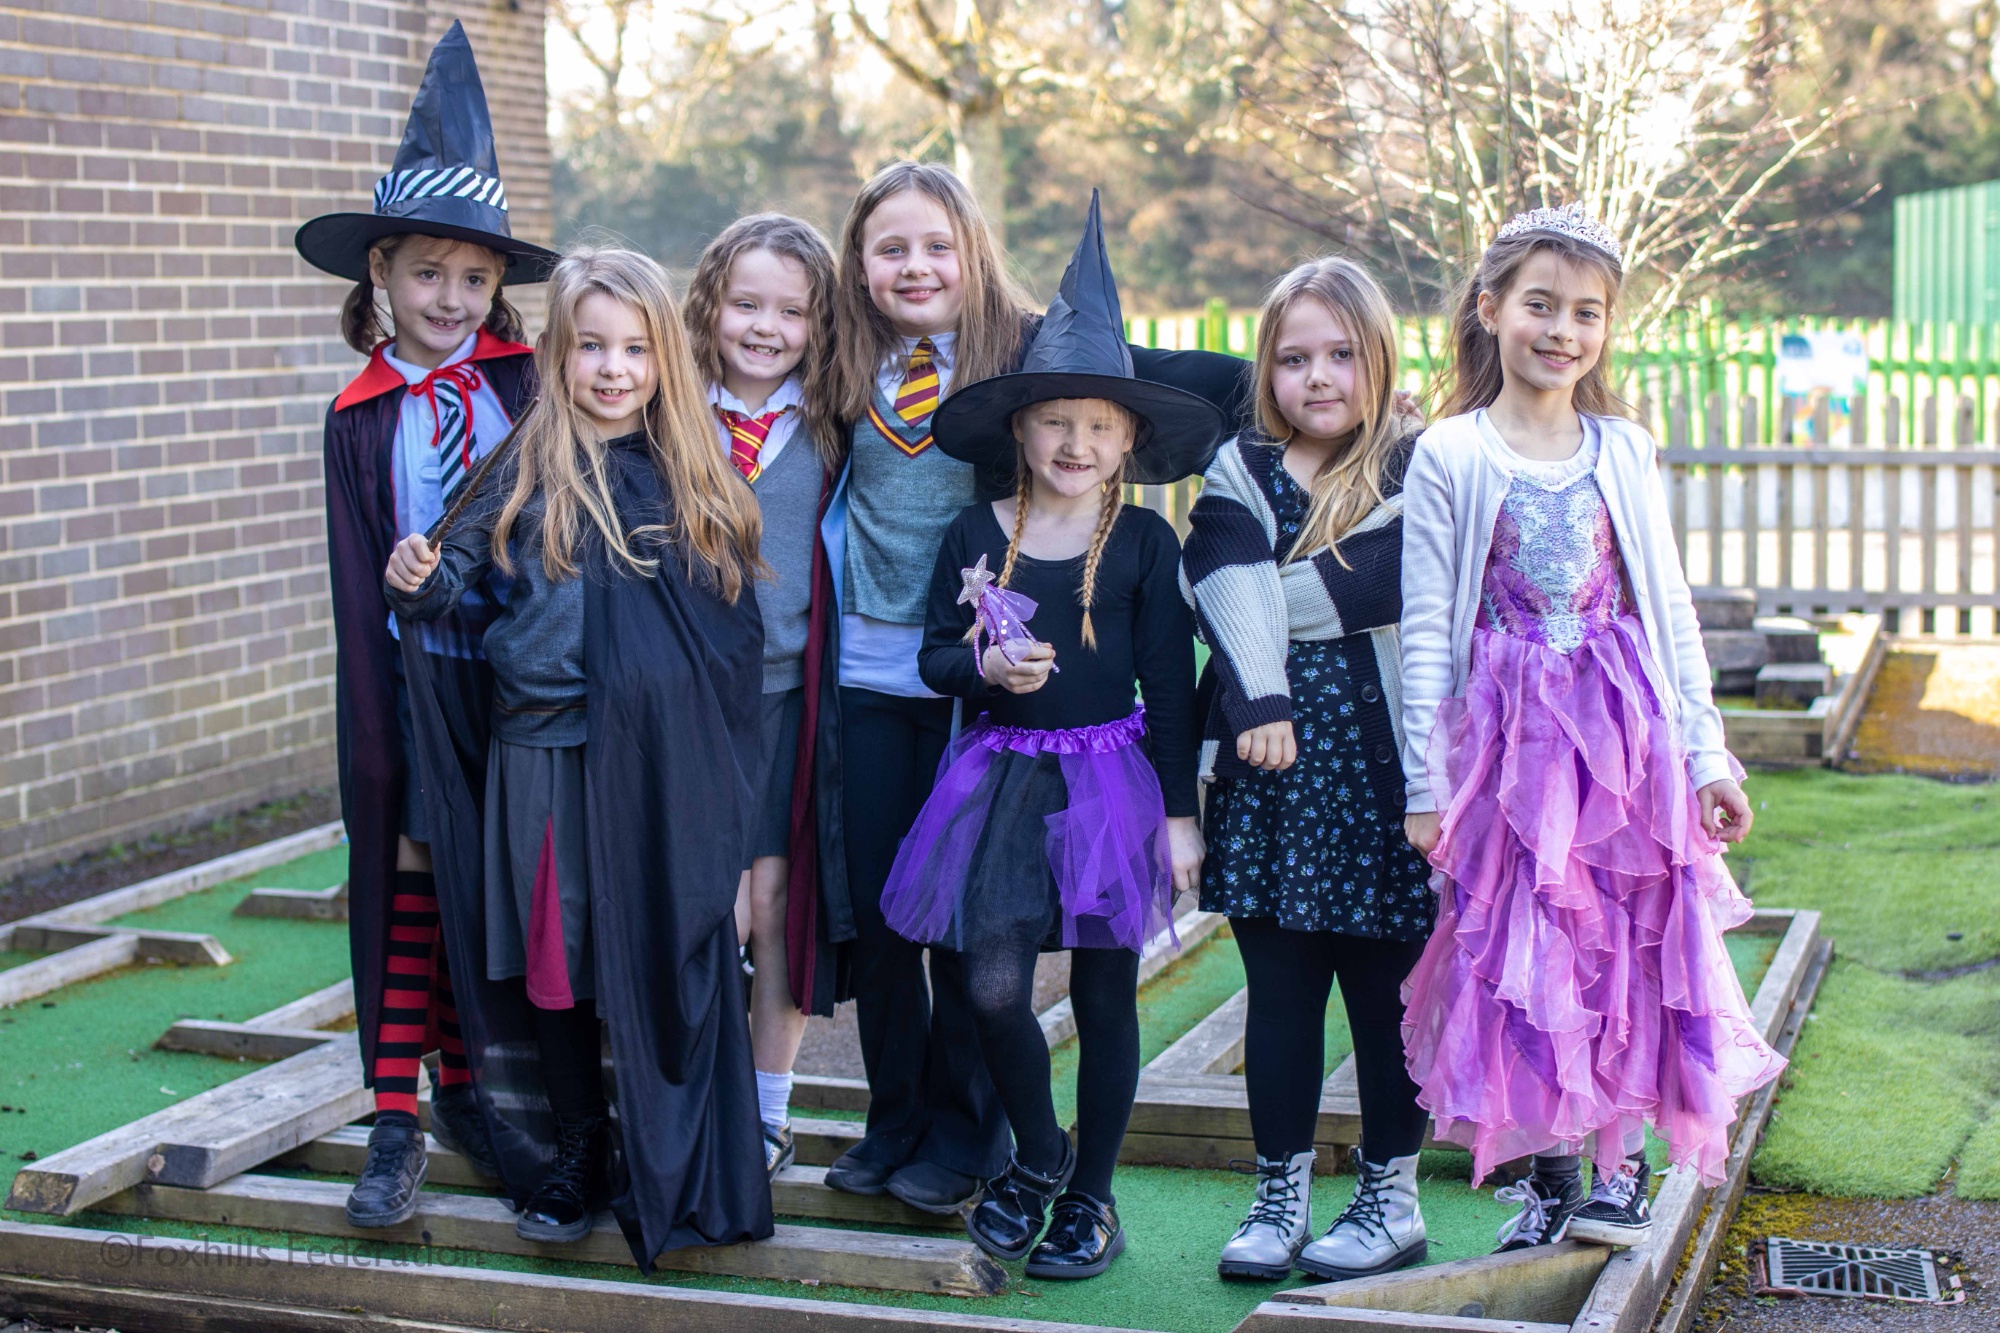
(1785, 1267)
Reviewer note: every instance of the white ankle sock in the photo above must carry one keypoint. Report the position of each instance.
(774, 1098)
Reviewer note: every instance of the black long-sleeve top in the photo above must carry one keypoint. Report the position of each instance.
(1145, 636)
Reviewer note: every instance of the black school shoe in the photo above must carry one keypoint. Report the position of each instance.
(458, 1127)
(852, 1173)
(1008, 1221)
(930, 1188)
(1617, 1212)
(559, 1210)
(1545, 1214)
(1083, 1238)
(386, 1192)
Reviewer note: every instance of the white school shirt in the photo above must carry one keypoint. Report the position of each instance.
(878, 654)
(788, 395)
(413, 461)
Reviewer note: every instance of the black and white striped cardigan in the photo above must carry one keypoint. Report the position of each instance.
(1248, 607)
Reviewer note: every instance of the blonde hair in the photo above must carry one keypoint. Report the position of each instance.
(990, 323)
(1110, 502)
(1348, 486)
(711, 516)
(799, 241)
(1472, 375)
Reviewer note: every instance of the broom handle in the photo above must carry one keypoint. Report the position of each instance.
(472, 485)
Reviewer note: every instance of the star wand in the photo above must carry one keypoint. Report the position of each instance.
(997, 612)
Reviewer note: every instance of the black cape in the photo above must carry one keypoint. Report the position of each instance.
(359, 440)
(674, 690)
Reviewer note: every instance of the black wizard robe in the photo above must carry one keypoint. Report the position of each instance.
(675, 677)
(360, 442)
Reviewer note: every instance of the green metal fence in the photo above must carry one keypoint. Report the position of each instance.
(1948, 254)
(1698, 354)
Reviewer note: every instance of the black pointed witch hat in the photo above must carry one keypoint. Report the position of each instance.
(445, 180)
(1080, 352)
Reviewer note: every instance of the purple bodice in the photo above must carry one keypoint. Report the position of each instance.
(1553, 575)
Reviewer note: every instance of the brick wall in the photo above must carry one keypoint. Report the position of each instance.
(165, 363)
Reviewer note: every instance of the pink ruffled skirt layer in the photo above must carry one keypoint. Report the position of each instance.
(1577, 987)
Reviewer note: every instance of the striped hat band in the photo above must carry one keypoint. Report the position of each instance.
(439, 183)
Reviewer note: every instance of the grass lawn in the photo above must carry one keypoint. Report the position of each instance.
(1895, 1082)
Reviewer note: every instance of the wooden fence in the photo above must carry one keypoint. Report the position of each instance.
(1880, 523)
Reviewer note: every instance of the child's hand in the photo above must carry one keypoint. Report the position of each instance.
(1271, 746)
(411, 563)
(1422, 829)
(1185, 848)
(1022, 677)
(1725, 811)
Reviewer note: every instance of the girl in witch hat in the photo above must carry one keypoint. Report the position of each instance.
(924, 309)
(445, 379)
(1065, 816)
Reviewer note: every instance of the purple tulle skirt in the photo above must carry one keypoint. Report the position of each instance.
(1577, 987)
(1058, 835)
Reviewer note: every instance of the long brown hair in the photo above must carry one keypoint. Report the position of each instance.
(1348, 485)
(1111, 500)
(788, 238)
(713, 517)
(1472, 376)
(361, 323)
(990, 323)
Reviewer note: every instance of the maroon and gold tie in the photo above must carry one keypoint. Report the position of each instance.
(918, 397)
(746, 438)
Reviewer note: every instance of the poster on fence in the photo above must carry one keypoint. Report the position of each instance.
(1824, 365)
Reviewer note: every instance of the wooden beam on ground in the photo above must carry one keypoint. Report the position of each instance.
(821, 1142)
(66, 1275)
(296, 904)
(179, 883)
(323, 1008)
(798, 1191)
(240, 1041)
(208, 1137)
(1283, 1317)
(42, 975)
(472, 1222)
(1547, 1284)
(1212, 1046)
(824, 1093)
(168, 946)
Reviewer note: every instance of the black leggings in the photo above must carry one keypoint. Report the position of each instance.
(1290, 973)
(1103, 992)
(572, 1050)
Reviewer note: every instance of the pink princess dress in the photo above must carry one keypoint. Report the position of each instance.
(1576, 988)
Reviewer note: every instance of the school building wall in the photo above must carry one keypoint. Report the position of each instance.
(166, 646)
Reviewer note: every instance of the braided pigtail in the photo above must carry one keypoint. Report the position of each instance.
(1107, 518)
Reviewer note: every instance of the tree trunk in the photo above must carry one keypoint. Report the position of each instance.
(977, 157)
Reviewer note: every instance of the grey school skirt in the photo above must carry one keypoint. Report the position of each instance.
(777, 762)
(538, 873)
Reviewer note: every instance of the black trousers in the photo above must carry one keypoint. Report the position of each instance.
(929, 1095)
(1290, 974)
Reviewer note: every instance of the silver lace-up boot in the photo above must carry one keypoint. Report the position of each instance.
(1268, 1242)
(1382, 1229)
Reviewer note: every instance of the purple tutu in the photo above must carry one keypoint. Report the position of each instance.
(1577, 987)
(1060, 835)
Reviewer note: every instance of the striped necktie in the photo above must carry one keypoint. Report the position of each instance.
(746, 438)
(450, 390)
(918, 397)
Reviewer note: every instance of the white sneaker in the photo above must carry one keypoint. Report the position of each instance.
(1268, 1242)
(1381, 1231)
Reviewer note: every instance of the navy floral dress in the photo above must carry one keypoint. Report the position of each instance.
(1308, 845)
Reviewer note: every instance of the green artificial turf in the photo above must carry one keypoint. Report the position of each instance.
(1895, 1082)
(85, 1065)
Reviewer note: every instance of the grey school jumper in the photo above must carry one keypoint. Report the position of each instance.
(788, 495)
(894, 525)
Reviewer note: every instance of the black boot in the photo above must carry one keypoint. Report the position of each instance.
(560, 1209)
(1009, 1219)
(386, 1193)
(458, 1127)
(1084, 1237)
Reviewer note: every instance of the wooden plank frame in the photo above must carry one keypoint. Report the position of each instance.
(1575, 1288)
(328, 904)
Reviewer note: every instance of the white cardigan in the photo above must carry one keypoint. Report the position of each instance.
(1451, 498)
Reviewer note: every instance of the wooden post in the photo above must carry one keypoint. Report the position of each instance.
(1927, 481)
(1962, 529)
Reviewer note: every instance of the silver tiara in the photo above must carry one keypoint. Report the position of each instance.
(1570, 220)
